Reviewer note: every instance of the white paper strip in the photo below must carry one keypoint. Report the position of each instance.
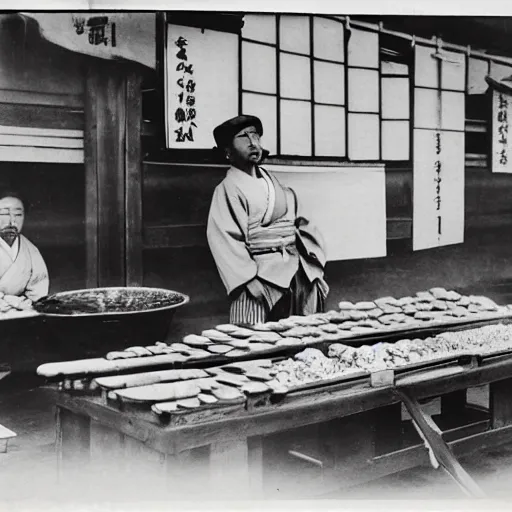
(438, 171)
(501, 132)
(202, 84)
(348, 205)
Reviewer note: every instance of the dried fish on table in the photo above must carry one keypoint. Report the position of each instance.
(161, 392)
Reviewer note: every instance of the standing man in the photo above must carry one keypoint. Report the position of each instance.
(23, 271)
(269, 256)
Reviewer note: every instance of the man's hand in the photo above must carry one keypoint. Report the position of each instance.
(256, 288)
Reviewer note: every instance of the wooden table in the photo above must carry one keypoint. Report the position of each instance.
(313, 442)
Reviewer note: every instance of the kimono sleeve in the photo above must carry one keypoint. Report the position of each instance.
(226, 233)
(39, 282)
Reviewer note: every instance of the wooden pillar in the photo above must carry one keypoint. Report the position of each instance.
(500, 403)
(113, 168)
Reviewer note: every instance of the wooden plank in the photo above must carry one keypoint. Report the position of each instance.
(159, 237)
(41, 141)
(440, 449)
(133, 180)
(46, 155)
(42, 98)
(91, 182)
(500, 403)
(43, 132)
(41, 116)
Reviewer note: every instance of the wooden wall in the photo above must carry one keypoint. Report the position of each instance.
(42, 87)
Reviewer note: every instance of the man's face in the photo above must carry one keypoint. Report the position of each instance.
(12, 216)
(246, 147)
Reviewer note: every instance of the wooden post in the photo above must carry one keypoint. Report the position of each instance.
(113, 168)
(500, 403)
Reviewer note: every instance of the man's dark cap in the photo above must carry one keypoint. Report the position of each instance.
(225, 132)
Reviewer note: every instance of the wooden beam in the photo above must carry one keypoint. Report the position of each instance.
(113, 117)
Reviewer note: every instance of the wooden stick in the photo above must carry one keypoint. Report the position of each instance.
(437, 445)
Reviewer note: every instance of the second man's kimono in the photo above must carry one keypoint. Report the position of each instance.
(255, 230)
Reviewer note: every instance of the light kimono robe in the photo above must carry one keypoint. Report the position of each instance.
(25, 275)
(255, 230)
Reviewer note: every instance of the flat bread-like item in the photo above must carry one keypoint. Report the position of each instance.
(220, 349)
(265, 337)
(231, 379)
(257, 347)
(215, 335)
(254, 388)
(227, 393)
(162, 392)
(345, 305)
(188, 403)
(243, 344)
(207, 399)
(365, 305)
(164, 407)
(227, 328)
(242, 333)
(194, 340)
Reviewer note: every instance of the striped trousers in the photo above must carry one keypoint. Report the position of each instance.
(301, 298)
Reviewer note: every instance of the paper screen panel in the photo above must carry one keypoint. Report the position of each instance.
(453, 71)
(453, 110)
(329, 131)
(363, 90)
(328, 39)
(214, 57)
(500, 71)
(294, 33)
(501, 132)
(329, 83)
(395, 98)
(425, 213)
(394, 68)
(347, 205)
(295, 77)
(260, 27)
(363, 49)
(295, 128)
(477, 70)
(264, 107)
(425, 67)
(258, 68)
(426, 106)
(395, 140)
(363, 137)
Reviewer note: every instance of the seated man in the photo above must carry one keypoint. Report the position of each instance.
(269, 255)
(23, 271)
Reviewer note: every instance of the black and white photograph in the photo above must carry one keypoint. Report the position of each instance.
(255, 255)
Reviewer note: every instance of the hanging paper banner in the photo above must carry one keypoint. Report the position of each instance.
(347, 205)
(439, 154)
(501, 138)
(201, 87)
(110, 35)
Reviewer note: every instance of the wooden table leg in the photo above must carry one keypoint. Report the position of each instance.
(229, 468)
(500, 403)
(73, 443)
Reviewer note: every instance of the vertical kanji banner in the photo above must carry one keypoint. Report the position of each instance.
(501, 132)
(439, 153)
(201, 84)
